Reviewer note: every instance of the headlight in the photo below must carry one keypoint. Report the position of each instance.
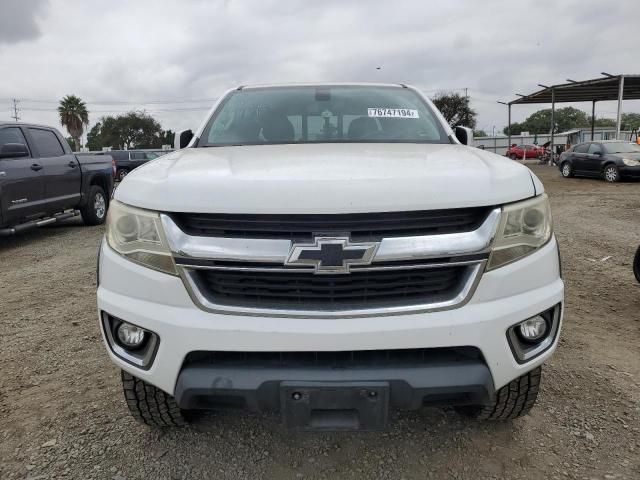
(630, 162)
(137, 235)
(524, 227)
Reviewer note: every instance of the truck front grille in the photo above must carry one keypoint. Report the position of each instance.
(240, 263)
(361, 289)
(361, 226)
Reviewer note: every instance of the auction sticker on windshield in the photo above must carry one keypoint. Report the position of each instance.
(392, 112)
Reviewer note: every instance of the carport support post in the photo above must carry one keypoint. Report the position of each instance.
(553, 121)
(509, 126)
(619, 117)
(593, 118)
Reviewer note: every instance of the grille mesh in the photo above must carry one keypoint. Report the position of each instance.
(361, 226)
(305, 290)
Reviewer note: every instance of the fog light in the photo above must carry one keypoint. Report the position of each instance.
(533, 336)
(533, 329)
(133, 344)
(130, 336)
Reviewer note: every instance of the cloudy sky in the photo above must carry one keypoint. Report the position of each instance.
(173, 58)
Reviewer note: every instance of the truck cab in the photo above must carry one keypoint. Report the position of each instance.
(42, 180)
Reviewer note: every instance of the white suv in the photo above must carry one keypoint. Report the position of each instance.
(329, 252)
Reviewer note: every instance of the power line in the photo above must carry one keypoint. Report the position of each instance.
(209, 101)
(118, 106)
(185, 109)
(441, 90)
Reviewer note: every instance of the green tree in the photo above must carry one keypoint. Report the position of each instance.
(630, 121)
(94, 137)
(480, 133)
(130, 130)
(105, 133)
(74, 116)
(540, 122)
(566, 119)
(603, 122)
(456, 109)
(168, 137)
(72, 144)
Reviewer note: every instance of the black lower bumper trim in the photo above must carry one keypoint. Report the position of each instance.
(462, 382)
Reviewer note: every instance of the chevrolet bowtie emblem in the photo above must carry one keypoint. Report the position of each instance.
(331, 254)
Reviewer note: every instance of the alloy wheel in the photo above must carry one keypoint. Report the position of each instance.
(611, 174)
(99, 205)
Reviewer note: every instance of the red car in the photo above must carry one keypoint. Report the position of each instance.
(517, 151)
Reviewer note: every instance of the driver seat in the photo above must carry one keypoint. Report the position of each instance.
(362, 127)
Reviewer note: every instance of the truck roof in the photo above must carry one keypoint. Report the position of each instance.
(24, 124)
(321, 84)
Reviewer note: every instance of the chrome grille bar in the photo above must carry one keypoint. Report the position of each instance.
(181, 262)
(277, 250)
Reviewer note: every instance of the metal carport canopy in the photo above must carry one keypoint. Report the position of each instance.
(608, 88)
(597, 90)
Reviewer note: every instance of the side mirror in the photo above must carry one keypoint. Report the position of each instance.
(183, 138)
(13, 150)
(464, 135)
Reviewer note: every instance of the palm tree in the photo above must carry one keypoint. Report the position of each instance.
(74, 117)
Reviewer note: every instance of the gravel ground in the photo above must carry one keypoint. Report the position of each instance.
(62, 414)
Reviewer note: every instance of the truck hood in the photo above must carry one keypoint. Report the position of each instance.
(325, 178)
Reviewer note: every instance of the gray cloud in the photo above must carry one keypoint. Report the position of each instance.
(18, 20)
(149, 50)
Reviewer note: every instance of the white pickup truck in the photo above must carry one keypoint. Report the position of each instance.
(330, 252)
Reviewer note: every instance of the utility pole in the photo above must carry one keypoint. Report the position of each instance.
(15, 115)
(466, 97)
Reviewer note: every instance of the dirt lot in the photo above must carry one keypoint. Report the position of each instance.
(62, 414)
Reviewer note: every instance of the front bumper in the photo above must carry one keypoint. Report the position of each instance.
(160, 303)
(629, 172)
(353, 397)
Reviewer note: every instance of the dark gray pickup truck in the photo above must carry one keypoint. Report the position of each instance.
(42, 181)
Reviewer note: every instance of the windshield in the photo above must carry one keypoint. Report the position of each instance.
(276, 115)
(622, 147)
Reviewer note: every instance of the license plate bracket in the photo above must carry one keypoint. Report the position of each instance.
(335, 406)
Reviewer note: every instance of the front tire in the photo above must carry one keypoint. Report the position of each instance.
(636, 265)
(512, 401)
(121, 173)
(95, 210)
(150, 405)
(566, 170)
(513, 156)
(611, 173)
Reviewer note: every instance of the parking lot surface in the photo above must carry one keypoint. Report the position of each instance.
(62, 413)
